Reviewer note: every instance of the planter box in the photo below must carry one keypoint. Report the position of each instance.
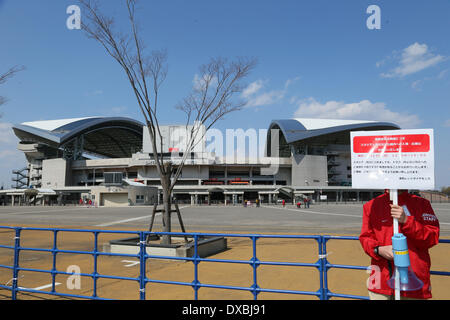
(207, 246)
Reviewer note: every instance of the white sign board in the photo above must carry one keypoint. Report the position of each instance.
(393, 159)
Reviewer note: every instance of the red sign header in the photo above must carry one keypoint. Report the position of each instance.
(392, 143)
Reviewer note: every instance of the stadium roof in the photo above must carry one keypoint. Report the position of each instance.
(114, 137)
(304, 129)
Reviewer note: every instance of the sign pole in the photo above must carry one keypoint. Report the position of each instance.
(394, 198)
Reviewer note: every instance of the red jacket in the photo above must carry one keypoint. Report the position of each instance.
(421, 230)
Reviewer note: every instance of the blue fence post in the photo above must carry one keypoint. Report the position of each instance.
(54, 252)
(142, 261)
(319, 262)
(95, 273)
(196, 283)
(323, 259)
(16, 263)
(255, 265)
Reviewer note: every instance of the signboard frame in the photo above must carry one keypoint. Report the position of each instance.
(393, 159)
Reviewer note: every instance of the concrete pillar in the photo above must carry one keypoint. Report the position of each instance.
(12, 200)
(192, 200)
(209, 198)
(270, 198)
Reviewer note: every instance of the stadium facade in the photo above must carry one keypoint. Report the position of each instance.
(108, 160)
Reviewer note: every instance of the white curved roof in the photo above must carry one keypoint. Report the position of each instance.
(305, 128)
(51, 125)
(315, 124)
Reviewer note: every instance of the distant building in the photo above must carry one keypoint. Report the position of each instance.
(78, 158)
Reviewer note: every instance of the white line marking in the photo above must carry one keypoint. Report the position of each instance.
(131, 263)
(41, 287)
(125, 220)
(315, 212)
(46, 211)
(128, 220)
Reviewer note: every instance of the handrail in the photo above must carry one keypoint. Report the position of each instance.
(322, 265)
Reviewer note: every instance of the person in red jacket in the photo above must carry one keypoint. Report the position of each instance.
(417, 222)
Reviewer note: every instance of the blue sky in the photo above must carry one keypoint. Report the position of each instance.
(316, 59)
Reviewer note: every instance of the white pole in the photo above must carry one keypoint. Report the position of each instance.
(394, 198)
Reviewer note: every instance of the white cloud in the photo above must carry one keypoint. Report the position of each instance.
(414, 58)
(442, 74)
(362, 110)
(10, 157)
(266, 98)
(200, 82)
(417, 85)
(118, 110)
(6, 134)
(257, 99)
(252, 88)
(290, 81)
(6, 154)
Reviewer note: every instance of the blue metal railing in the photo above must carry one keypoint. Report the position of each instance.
(322, 264)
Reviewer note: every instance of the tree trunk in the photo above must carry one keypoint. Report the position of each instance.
(167, 202)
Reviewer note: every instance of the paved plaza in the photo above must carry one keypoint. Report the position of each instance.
(318, 219)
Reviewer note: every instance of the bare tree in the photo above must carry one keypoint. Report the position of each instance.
(7, 75)
(213, 96)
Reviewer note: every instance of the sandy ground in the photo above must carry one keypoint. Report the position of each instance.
(232, 274)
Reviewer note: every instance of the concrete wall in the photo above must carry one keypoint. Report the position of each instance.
(148, 172)
(55, 173)
(284, 174)
(195, 172)
(310, 168)
(189, 172)
(149, 195)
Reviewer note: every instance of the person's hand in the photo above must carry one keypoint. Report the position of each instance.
(386, 252)
(398, 213)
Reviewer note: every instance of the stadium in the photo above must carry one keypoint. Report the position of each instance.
(108, 161)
